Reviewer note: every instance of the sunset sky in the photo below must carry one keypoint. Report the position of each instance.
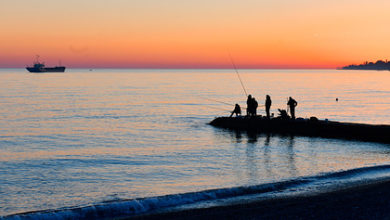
(194, 34)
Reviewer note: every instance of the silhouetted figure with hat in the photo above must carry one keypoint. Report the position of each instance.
(292, 104)
(268, 104)
(237, 110)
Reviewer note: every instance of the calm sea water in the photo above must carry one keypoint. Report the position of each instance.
(86, 137)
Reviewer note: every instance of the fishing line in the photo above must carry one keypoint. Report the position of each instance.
(235, 68)
(213, 100)
(206, 106)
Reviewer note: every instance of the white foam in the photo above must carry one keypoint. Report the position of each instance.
(153, 204)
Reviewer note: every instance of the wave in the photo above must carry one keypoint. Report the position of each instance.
(133, 207)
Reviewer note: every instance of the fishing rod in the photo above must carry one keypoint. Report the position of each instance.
(222, 109)
(235, 68)
(213, 100)
(218, 101)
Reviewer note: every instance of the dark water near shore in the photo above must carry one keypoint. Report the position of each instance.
(83, 138)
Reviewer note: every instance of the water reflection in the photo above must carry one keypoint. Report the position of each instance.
(238, 136)
(252, 137)
(140, 133)
(262, 156)
(251, 157)
(291, 156)
(266, 154)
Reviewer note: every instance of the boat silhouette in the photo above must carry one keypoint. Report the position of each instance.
(39, 67)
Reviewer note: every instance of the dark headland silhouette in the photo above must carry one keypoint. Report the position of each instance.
(378, 65)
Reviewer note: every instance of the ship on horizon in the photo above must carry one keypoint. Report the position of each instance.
(39, 67)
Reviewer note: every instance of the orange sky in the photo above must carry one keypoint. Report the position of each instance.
(194, 34)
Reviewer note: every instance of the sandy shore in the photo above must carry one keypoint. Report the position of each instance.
(370, 201)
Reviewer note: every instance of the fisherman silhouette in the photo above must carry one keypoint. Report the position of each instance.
(292, 104)
(249, 105)
(254, 107)
(268, 104)
(237, 110)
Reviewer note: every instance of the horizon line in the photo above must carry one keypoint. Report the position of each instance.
(196, 68)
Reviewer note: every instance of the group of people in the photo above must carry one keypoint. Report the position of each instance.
(252, 107)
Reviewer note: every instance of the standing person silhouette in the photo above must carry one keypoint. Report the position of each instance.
(249, 105)
(268, 104)
(292, 104)
(254, 107)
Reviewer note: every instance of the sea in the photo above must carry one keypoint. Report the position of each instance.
(109, 143)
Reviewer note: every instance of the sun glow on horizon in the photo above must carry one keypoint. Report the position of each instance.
(194, 34)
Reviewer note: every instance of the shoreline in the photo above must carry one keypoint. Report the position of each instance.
(368, 201)
(300, 198)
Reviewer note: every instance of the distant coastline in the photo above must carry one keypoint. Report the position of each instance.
(378, 65)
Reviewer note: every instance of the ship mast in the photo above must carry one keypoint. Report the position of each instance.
(36, 58)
